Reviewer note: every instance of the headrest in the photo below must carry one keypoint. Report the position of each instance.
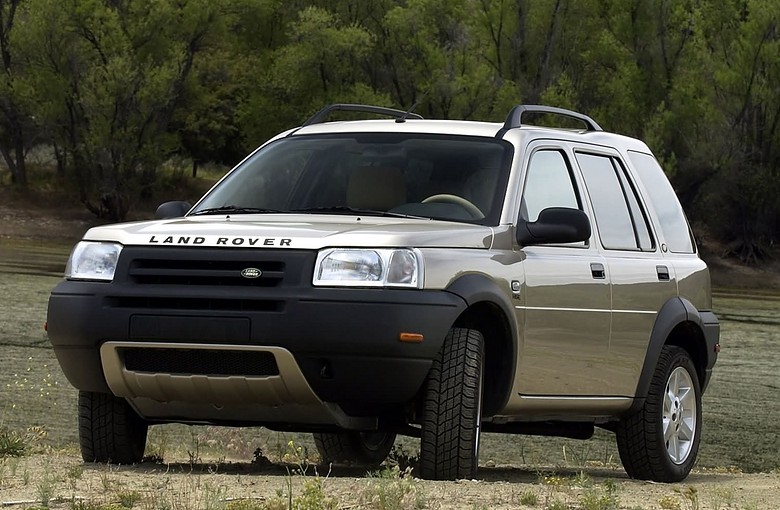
(376, 187)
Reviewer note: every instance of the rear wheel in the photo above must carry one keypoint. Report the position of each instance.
(660, 441)
(360, 448)
(109, 429)
(452, 409)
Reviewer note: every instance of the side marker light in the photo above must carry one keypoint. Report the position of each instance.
(413, 338)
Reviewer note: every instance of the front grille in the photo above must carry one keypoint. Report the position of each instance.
(208, 362)
(191, 279)
(206, 272)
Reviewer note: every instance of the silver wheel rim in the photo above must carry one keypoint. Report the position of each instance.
(679, 415)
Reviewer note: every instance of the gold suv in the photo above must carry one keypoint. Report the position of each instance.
(367, 278)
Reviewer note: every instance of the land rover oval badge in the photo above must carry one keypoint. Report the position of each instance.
(251, 272)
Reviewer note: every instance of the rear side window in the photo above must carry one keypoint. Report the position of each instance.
(621, 222)
(673, 224)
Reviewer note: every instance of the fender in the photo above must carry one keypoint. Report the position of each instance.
(674, 312)
(478, 288)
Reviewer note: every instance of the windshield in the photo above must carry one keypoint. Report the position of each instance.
(453, 178)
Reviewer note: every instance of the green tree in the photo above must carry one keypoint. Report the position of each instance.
(433, 52)
(16, 125)
(108, 77)
(742, 198)
(116, 87)
(320, 62)
(207, 123)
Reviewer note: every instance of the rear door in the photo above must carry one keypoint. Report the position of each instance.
(641, 279)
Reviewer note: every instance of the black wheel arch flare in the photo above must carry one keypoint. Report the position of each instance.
(491, 312)
(679, 323)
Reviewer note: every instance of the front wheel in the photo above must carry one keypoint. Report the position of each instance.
(110, 431)
(452, 408)
(660, 441)
(360, 448)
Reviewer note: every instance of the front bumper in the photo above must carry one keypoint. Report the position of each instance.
(344, 344)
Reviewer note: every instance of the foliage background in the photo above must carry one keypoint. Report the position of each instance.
(117, 88)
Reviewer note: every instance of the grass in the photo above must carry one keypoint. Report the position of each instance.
(28, 257)
(741, 422)
(33, 389)
(12, 443)
(231, 487)
(393, 489)
(741, 431)
(741, 406)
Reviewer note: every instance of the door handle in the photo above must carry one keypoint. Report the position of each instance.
(597, 270)
(663, 273)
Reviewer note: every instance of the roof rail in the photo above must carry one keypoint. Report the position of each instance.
(322, 115)
(515, 117)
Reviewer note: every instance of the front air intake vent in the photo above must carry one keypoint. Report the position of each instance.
(209, 362)
(204, 304)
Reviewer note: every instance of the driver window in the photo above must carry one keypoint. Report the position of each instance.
(548, 183)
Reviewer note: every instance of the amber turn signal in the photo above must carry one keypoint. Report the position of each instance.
(415, 338)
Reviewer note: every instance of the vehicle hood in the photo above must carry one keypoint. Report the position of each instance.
(295, 232)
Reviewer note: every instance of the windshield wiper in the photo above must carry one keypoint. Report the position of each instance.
(234, 209)
(352, 210)
(337, 209)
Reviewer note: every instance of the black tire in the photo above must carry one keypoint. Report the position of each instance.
(644, 451)
(452, 408)
(110, 431)
(355, 448)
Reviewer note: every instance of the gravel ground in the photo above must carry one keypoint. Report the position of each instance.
(62, 478)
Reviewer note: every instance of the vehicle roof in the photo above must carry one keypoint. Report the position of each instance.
(470, 128)
(451, 127)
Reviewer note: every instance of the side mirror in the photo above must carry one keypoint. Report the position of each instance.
(175, 209)
(555, 225)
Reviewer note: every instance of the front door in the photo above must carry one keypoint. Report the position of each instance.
(565, 304)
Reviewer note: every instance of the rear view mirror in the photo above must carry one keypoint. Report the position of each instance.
(555, 225)
(175, 209)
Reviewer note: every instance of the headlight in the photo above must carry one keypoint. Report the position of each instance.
(347, 267)
(93, 261)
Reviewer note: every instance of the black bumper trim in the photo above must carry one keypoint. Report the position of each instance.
(346, 341)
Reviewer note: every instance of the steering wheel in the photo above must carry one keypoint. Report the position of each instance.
(472, 209)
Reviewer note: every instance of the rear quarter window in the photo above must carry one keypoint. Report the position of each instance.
(667, 207)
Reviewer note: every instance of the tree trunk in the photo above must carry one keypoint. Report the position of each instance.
(21, 167)
(9, 162)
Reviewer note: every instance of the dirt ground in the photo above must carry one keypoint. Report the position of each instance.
(62, 478)
(41, 220)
